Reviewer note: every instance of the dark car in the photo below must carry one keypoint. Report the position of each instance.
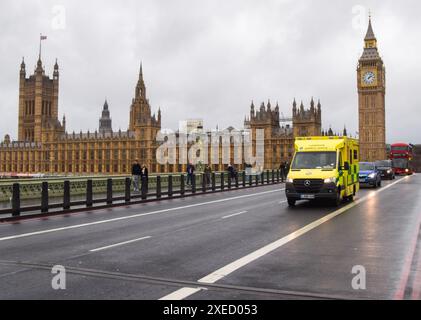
(386, 169)
(369, 175)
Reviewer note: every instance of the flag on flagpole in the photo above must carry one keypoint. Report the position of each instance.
(41, 37)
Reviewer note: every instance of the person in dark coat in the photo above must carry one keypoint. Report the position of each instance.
(231, 172)
(136, 172)
(144, 175)
(282, 168)
(208, 172)
(287, 168)
(190, 173)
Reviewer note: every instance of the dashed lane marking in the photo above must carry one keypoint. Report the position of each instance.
(119, 244)
(234, 215)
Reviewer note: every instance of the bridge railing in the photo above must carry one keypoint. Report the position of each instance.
(120, 191)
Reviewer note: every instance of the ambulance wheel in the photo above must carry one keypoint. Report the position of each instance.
(291, 202)
(338, 200)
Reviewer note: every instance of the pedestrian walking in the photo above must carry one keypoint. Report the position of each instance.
(287, 168)
(136, 172)
(144, 175)
(282, 168)
(231, 172)
(190, 173)
(208, 172)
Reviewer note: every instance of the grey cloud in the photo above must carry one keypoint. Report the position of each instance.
(209, 59)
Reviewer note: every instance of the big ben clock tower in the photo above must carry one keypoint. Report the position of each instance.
(371, 100)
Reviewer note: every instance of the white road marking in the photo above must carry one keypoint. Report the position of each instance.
(24, 235)
(119, 244)
(181, 294)
(282, 202)
(234, 266)
(233, 215)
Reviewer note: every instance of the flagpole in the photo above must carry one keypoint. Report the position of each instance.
(40, 41)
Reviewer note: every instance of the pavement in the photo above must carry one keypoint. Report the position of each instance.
(244, 244)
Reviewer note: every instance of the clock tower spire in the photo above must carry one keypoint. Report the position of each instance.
(371, 79)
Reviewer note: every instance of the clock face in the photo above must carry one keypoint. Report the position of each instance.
(369, 77)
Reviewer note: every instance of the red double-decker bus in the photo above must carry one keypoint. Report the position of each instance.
(401, 155)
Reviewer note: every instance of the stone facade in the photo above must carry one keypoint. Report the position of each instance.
(45, 146)
(279, 140)
(417, 158)
(371, 96)
(105, 122)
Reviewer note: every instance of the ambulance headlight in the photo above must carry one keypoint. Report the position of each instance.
(289, 180)
(330, 180)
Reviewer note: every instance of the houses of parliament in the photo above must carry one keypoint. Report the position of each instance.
(45, 146)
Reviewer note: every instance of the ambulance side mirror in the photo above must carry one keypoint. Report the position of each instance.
(346, 166)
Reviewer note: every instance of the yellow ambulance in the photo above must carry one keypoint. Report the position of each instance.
(324, 168)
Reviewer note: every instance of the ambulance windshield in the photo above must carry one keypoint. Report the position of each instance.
(314, 160)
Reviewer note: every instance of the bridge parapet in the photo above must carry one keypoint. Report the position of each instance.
(118, 190)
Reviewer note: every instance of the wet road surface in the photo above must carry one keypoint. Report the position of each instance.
(244, 244)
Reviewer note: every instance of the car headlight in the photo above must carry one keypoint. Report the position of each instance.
(389, 171)
(330, 180)
(406, 170)
(372, 175)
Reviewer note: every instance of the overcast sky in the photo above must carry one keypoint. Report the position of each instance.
(210, 58)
